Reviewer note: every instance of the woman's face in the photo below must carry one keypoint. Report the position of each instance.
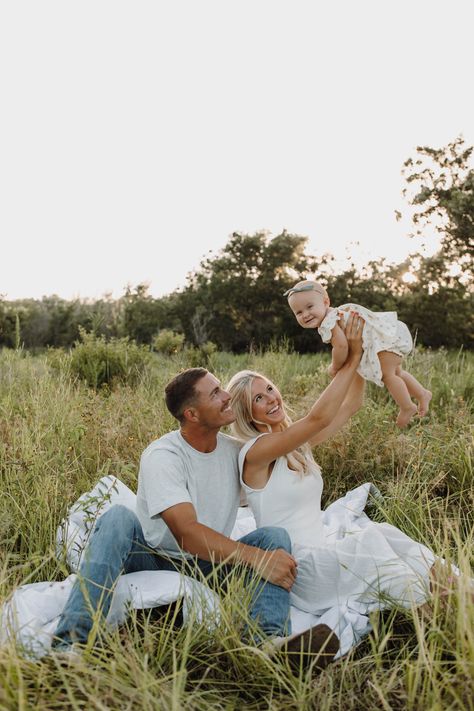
(267, 405)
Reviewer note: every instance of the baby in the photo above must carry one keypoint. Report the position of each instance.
(385, 341)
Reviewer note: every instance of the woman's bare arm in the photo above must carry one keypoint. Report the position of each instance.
(340, 349)
(351, 404)
(267, 449)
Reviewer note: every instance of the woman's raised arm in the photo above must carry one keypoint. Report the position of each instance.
(351, 404)
(267, 449)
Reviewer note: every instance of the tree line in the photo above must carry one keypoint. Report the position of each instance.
(235, 299)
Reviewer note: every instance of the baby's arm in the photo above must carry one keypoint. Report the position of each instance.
(339, 350)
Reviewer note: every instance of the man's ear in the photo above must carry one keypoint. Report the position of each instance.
(190, 414)
(327, 301)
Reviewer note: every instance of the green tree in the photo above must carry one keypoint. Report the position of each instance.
(7, 323)
(235, 298)
(438, 306)
(443, 185)
(440, 187)
(142, 316)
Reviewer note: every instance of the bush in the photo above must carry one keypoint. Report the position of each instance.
(201, 356)
(168, 342)
(100, 362)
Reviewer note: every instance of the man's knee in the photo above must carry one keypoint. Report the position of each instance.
(118, 519)
(273, 537)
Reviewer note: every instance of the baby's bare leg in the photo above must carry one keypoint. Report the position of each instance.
(396, 386)
(416, 390)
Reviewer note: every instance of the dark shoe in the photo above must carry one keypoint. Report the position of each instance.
(316, 646)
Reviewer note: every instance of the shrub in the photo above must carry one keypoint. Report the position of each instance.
(168, 342)
(201, 356)
(100, 362)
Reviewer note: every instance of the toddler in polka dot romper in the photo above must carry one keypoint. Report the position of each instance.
(385, 341)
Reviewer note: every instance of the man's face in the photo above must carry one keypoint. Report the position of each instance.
(212, 403)
(309, 307)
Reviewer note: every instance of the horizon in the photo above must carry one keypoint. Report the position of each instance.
(343, 264)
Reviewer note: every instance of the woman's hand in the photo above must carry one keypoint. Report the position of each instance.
(353, 331)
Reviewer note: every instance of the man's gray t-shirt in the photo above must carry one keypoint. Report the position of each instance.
(172, 472)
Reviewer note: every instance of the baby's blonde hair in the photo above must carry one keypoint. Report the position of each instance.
(307, 285)
(244, 427)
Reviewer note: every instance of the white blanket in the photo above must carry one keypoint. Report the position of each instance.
(31, 615)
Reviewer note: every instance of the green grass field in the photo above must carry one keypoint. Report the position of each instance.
(58, 437)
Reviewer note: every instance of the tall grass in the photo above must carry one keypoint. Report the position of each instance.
(58, 436)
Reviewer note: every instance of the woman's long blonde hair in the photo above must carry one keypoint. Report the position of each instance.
(244, 428)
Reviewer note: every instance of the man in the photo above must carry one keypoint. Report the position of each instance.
(187, 501)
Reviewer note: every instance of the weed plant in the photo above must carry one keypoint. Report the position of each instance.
(103, 362)
(58, 435)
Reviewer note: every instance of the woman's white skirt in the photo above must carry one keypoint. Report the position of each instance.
(372, 567)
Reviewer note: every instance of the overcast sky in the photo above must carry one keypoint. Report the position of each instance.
(137, 136)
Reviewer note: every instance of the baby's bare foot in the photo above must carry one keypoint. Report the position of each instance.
(405, 415)
(424, 403)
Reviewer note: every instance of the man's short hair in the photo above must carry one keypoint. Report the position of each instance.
(180, 392)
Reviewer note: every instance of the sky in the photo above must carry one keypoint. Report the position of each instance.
(136, 137)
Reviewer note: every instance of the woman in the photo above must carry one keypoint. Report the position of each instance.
(368, 567)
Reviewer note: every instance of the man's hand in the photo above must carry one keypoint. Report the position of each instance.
(278, 567)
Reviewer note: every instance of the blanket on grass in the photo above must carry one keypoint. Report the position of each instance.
(31, 615)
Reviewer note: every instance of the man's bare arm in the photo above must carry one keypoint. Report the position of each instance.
(277, 566)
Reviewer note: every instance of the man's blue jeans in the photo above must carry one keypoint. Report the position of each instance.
(118, 546)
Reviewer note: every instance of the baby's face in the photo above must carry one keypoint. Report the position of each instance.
(309, 308)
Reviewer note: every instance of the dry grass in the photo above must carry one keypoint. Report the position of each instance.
(57, 437)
